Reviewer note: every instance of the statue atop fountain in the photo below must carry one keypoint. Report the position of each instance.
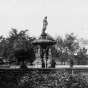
(45, 23)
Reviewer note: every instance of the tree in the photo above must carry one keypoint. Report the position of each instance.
(27, 54)
(15, 42)
(67, 46)
(58, 50)
(3, 47)
(23, 42)
(71, 43)
(55, 53)
(82, 57)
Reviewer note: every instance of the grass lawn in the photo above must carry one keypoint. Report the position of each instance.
(4, 66)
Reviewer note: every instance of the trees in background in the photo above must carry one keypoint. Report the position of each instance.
(4, 51)
(14, 43)
(71, 43)
(71, 46)
(67, 48)
(59, 51)
(82, 57)
(64, 50)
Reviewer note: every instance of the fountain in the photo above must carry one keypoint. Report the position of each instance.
(44, 41)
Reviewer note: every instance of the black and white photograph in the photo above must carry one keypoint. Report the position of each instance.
(43, 43)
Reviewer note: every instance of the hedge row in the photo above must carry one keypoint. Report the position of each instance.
(35, 79)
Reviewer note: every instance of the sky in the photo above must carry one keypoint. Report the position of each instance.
(63, 16)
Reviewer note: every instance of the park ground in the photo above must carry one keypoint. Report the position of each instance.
(84, 67)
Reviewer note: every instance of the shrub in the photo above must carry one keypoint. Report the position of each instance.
(37, 79)
(56, 80)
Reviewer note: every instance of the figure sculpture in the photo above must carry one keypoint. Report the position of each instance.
(45, 23)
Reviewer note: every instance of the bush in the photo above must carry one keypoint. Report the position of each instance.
(37, 79)
(56, 80)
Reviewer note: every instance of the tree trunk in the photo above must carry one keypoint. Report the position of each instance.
(43, 65)
(23, 60)
(18, 62)
(61, 63)
(31, 63)
(64, 62)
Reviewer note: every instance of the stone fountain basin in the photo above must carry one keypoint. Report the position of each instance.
(43, 42)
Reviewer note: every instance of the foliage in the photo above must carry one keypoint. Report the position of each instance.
(55, 53)
(15, 42)
(37, 79)
(28, 55)
(66, 48)
(57, 50)
(4, 47)
(71, 43)
(82, 56)
(53, 80)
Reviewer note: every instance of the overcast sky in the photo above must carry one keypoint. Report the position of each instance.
(64, 16)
